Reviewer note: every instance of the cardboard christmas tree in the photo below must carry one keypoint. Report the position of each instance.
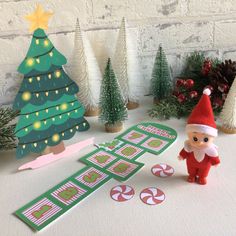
(47, 101)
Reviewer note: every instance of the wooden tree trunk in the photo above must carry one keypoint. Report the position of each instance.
(94, 111)
(132, 105)
(58, 148)
(114, 128)
(227, 130)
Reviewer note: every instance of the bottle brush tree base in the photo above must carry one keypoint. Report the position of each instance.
(114, 128)
(227, 130)
(132, 105)
(94, 111)
(156, 101)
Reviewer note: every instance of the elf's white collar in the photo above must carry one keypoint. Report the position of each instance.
(199, 154)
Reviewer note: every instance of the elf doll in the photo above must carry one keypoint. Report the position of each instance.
(199, 151)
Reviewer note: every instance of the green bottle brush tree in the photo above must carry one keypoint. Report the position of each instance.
(113, 109)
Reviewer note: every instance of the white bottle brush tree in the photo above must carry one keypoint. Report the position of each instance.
(228, 114)
(86, 73)
(126, 67)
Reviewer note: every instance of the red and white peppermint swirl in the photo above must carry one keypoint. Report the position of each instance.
(122, 193)
(162, 170)
(152, 196)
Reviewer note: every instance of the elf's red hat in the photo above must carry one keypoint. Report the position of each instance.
(201, 119)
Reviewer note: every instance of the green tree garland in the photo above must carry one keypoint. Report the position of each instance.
(180, 103)
(7, 136)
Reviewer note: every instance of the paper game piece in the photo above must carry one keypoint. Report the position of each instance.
(92, 177)
(110, 146)
(152, 196)
(134, 137)
(162, 170)
(154, 144)
(99, 158)
(123, 170)
(102, 165)
(130, 152)
(122, 193)
(68, 193)
(50, 158)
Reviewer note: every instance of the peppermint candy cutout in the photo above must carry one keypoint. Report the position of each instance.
(152, 196)
(162, 170)
(122, 193)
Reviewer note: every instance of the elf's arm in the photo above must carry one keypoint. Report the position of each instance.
(214, 156)
(184, 153)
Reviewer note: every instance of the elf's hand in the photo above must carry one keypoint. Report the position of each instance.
(180, 158)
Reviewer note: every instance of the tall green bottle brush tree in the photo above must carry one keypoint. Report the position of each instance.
(112, 105)
(47, 101)
(161, 84)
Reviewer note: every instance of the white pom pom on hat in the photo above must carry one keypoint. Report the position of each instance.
(207, 91)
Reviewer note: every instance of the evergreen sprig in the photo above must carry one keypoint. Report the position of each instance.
(170, 106)
(7, 135)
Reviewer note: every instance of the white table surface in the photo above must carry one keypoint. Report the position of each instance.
(189, 209)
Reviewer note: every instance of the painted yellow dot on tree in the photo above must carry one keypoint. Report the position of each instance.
(49, 76)
(30, 80)
(37, 125)
(37, 41)
(30, 61)
(63, 106)
(26, 96)
(57, 73)
(50, 54)
(46, 43)
(38, 60)
(55, 138)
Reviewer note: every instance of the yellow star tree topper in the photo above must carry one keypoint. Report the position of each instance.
(39, 18)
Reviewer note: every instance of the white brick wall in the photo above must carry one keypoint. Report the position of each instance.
(182, 26)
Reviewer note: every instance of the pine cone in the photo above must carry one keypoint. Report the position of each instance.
(221, 78)
(224, 73)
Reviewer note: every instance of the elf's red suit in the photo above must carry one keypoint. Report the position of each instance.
(200, 166)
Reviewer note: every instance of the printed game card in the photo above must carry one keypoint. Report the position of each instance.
(92, 177)
(68, 193)
(122, 170)
(39, 213)
(154, 144)
(134, 137)
(130, 152)
(99, 158)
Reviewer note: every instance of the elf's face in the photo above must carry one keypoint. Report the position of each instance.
(200, 140)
